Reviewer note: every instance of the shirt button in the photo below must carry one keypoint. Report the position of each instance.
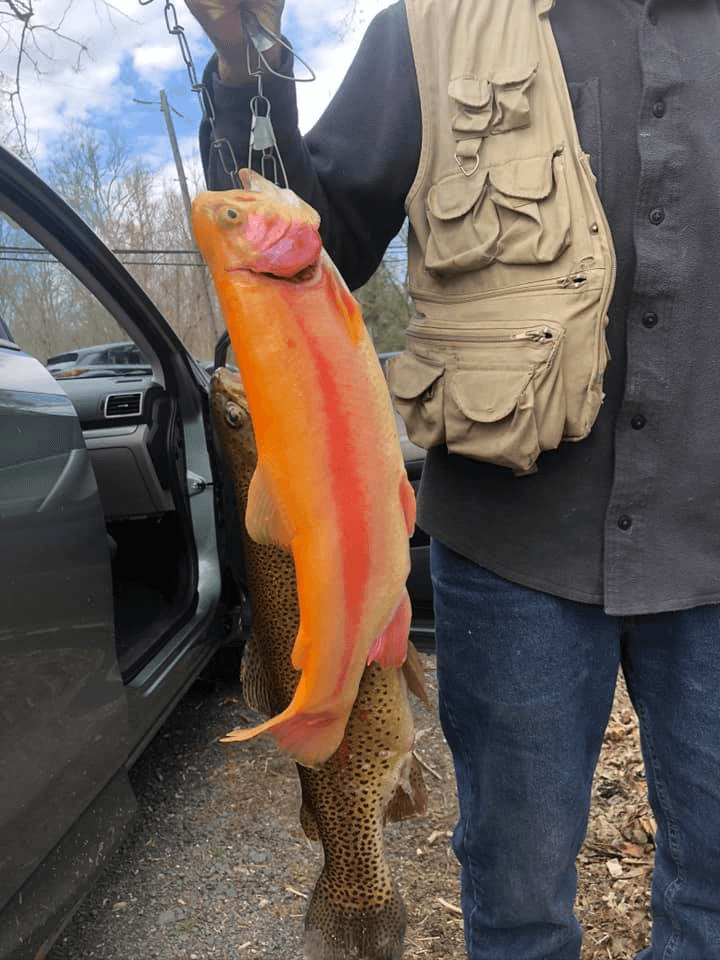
(624, 522)
(650, 319)
(657, 215)
(658, 108)
(638, 421)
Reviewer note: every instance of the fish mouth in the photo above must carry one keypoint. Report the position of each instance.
(264, 230)
(304, 276)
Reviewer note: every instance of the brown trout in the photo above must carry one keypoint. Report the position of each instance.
(356, 910)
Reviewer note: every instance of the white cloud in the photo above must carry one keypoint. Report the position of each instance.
(153, 61)
(121, 48)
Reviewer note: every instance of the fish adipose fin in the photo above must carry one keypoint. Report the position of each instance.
(390, 648)
(263, 520)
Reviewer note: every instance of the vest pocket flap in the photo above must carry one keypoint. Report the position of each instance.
(527, 179)
(515, 75)
(408, 376)
(470, 92)
(456, 195)
(487, 396)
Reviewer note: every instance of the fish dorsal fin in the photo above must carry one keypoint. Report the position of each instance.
(263, 519)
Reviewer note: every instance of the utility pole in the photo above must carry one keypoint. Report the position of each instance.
(218, 327)
(165, 107)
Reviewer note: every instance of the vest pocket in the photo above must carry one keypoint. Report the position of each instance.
(417, 387)
(498, 396)
(517, 212)
(492, 105)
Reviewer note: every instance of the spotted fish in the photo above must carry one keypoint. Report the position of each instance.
(356, 910)
(330, 483)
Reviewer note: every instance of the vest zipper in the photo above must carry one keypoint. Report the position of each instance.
(574, 280)
(536, 335)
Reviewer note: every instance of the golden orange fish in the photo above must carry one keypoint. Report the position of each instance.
(330, 484)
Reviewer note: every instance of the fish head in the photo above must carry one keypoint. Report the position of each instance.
(230, 413)
(262, 228)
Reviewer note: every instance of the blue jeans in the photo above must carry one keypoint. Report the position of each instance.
(526, 685)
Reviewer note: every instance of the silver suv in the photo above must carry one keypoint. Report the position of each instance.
(119, 567)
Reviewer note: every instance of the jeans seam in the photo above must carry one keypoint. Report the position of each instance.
(670, 892)
(469, 926)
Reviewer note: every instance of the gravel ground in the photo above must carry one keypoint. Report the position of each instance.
(218, 866)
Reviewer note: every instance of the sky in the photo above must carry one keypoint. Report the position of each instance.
(130, 56)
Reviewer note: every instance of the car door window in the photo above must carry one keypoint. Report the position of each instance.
(128, 427)
(47, 310)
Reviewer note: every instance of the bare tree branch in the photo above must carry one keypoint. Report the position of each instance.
(20, 29)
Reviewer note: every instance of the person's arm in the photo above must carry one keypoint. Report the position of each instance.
(358, 162)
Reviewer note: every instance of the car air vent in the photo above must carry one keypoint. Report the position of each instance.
(123, 405)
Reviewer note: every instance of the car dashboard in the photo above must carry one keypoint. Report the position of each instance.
(124, 420)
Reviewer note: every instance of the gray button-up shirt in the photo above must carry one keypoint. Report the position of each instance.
(629, 517)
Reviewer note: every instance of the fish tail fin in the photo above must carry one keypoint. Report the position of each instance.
(390, 648)
(375, 929)
(309, 738)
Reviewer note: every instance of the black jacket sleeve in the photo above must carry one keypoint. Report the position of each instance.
(358, 162)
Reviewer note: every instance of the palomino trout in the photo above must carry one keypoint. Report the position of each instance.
(356, 909)
(330, 483)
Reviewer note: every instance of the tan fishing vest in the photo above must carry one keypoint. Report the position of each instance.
(510, 260)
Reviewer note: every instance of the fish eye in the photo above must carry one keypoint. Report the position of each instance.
(234, 415)
(231, 213)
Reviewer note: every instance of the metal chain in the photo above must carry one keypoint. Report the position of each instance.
(262, 136)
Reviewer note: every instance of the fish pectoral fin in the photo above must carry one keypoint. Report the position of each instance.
(390, 648)
(407, 499)
(263, 519)
(300, 650)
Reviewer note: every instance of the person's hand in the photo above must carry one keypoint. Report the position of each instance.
(222, 21)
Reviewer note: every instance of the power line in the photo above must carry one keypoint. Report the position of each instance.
(25, 254)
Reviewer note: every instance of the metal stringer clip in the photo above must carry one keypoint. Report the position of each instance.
(262, 139)
(262, 134)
